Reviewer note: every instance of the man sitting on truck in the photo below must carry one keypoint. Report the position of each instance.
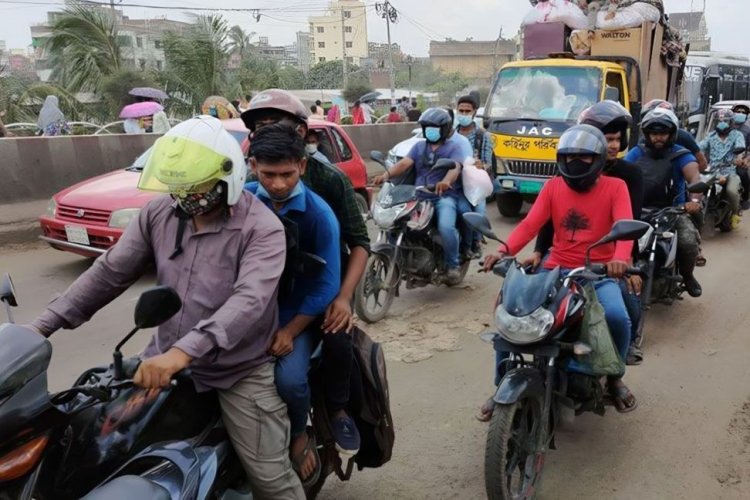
(666, 169)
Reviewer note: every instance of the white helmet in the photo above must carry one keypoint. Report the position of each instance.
(192, 157)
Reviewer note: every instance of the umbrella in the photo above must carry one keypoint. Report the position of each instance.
(140, 109)
(148, 92)
(370, 96)
(219, 107)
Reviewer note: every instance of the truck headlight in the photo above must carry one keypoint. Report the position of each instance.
(51, 208)
(500, 166)
(121, 218)
(524, 329)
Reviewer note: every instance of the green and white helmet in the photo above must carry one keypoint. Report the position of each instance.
(192, 158)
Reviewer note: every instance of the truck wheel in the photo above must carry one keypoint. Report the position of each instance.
(509, 204)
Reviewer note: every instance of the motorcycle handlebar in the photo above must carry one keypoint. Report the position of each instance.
(601, 270)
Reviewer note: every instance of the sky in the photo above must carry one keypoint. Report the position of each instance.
(420, 20)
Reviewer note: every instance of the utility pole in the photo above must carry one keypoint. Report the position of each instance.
(390, 14)
(343, 46)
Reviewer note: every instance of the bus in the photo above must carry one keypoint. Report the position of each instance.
(711, 77)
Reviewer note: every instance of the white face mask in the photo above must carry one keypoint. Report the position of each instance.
(311, 148)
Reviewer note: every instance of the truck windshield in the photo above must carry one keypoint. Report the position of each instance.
(551, 93)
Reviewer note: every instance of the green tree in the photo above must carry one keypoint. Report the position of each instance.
(115, 88)
(239, 40)
(356, 89)
(84, 47)
(22, 97)
(448, 86)
(291, 78)
(196, 62)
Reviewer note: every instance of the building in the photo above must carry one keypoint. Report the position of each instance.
(142, 41)
(693, 28)
(328, 44)
(304, 51)
(377, 56)
(476, 60)
(285, 55)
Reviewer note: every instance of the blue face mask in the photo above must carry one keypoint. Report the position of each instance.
(465, 120)
(740, 118)
(722, 126)
(432, 134)
(261, 192)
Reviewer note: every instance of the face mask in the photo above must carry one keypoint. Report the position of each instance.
(294, 192)
(722, 127)
(465, 120)
(199, 204)
(432, 134)
(740, 118)
(311, 149)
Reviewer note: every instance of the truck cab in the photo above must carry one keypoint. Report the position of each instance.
(531, 104)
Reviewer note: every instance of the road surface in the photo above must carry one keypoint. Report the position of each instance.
(689, 438)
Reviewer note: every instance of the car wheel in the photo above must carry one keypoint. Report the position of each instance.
(362, 206)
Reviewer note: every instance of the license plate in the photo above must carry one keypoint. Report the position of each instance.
(77, 234)
(509, 184)
(529, 187)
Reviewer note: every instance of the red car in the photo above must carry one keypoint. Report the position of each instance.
(89, 217)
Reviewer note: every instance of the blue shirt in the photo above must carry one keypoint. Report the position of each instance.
(720, 153)
(678, 165)
(318, 235)
(424, 157)
(484, 151)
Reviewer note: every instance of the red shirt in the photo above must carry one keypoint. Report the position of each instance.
(580, 219)
(394, 117)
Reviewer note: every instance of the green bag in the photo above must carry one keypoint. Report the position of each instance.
(604, 358)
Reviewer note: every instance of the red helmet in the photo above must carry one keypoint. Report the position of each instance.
(274, 99)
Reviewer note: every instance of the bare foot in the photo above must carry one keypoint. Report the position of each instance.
(303, 457)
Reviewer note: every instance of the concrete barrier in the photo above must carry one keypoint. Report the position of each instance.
(33, 168)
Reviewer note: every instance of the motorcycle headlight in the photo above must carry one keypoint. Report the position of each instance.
(524, 329)
(121, 218)
(51, 207)
(385, 217)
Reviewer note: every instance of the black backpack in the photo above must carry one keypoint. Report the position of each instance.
(658, 187)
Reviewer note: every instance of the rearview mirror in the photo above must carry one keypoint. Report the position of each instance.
(698, 188)
(612, 94)
(377, 156)
(479, 222)
(622, 230)
(7, 292)
(155, 306)
(444, 164)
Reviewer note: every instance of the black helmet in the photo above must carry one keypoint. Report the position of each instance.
(436, 117)
(609, 117)
(660, 121)
(584, 140)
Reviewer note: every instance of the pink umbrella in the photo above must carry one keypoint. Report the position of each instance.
(140, 109)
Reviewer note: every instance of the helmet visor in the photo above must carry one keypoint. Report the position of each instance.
(581, 142)
(180, 167)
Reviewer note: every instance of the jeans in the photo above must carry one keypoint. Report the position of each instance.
(476, 235)
(448, 210)
(615, 312)
(292, 374)
(633, 305)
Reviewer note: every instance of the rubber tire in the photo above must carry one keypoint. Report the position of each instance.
(509, 204)
(464, 270)
(359, 305)
(361, 202)
(495, 454)
(725, 226)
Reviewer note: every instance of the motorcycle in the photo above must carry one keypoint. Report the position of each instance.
(657, 252)
(538, 318)
(408, 247)
(105, 438)
(717, 212)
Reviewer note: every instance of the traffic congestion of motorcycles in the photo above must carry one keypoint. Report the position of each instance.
(302, 258)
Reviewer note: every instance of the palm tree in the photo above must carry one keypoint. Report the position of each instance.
(196, 61)
(239, 40)
(84, 47)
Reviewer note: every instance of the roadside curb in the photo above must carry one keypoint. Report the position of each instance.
(19, 222)
(19, 232)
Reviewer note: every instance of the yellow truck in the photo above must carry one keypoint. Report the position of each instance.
(533, 101)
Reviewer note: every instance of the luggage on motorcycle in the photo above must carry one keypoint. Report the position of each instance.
(658, 190)
(604, 358)
(374, 418)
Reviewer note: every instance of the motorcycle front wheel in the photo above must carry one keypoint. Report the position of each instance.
(373, 296)
(512, 465)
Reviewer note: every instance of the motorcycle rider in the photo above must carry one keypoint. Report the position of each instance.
(666, 168)
(583, 205)
(451, 203)
(223, 251)
(278, 158)
(614, 121)
(724, 147)
(740, 123)
(684, 138)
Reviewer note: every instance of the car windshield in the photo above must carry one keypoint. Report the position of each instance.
(552, 93)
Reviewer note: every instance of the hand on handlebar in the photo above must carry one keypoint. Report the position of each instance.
(617, 269)
(490, 261)
(380, 179)
(533, 261)
(693, 207)
(442, 187)
(158, 371)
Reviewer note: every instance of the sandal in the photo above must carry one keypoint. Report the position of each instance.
(485, 411)
(700, 261)
(299, 460)
(635, 356)
(620, 395)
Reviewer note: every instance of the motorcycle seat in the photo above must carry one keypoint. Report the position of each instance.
(127, 488)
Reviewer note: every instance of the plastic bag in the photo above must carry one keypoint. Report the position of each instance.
(557, 11)
(604, 358)
(580, 42)
(632, 16)
(476, 181)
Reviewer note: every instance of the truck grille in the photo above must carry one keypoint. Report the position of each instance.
(81, 215)
(532, 168)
